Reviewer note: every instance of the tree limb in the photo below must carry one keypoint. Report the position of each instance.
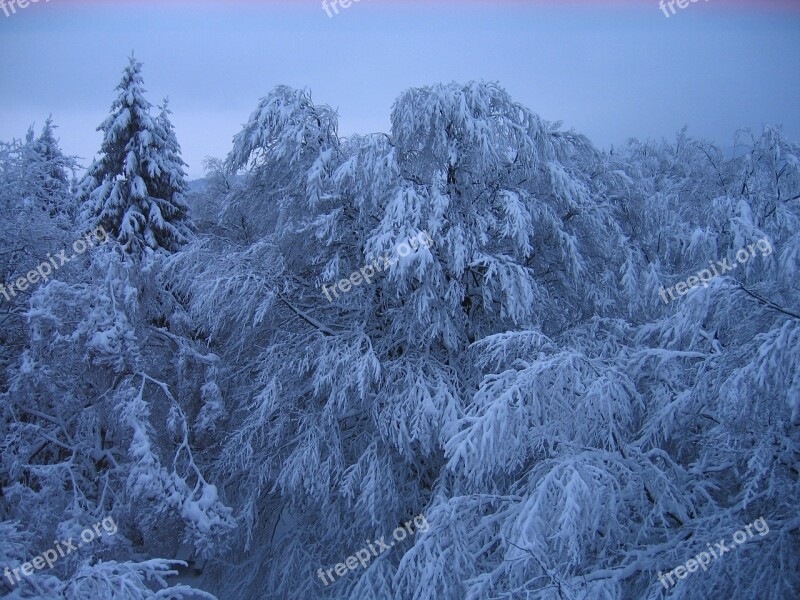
(769, 303)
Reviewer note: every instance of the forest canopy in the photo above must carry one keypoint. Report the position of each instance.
(520, 382)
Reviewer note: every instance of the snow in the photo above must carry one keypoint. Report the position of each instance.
(517, 379)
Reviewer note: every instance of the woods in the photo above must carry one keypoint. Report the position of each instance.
(519, 383)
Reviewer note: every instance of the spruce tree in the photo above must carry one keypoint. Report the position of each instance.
(174, 177)
(51, 169)
(135, 190)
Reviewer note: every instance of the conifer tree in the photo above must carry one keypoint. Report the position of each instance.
(52, 169)
(136, 189)
(174, 177)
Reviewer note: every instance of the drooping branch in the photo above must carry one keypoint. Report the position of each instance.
(309, 319)
(770, 304)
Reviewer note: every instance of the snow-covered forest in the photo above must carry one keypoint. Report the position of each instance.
(588, 378)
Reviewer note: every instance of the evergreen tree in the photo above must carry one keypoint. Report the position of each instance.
(35, 172)
(173, 178)
(53, 170)
(136, 189)
(34, 200)
(46, 145)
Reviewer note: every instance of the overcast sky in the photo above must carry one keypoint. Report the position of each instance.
(611, 70)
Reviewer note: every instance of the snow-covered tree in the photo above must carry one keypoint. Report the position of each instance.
(35, 202)
(173, 177)
(116, 428)
(357, 397)
(107, 403)
(54, 170)
(633, 447)
(135, 189)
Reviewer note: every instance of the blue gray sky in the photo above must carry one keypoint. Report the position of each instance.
(609, 70)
